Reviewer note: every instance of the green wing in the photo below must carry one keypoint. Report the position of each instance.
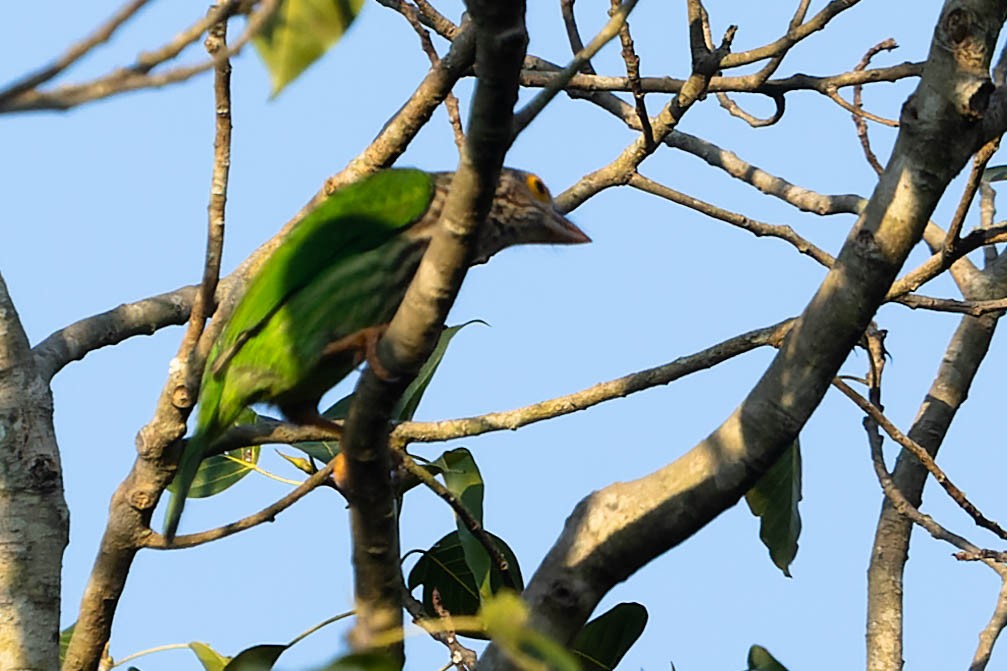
(267, 354)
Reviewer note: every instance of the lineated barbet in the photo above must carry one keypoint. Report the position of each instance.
(318, 304)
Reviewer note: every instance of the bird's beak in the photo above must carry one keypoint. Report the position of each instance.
(565, 232)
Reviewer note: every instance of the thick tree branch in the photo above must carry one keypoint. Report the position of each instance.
(143, 317)
(35, 526)
(134, 501)
(964, 354)
(501, 40)
(616, 530)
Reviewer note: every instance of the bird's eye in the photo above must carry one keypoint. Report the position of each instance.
(538, 188)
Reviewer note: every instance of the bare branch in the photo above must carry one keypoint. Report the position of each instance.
(988, 636)
(465, 515)
(35, 528)
(152, 539)
(144, 317)
(74, 53)
(785, 233)
(538, 103)
(621, 387)
(137, 75)
(918, 451)
(412, 333)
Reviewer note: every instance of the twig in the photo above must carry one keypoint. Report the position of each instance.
(632, 60)
(760, 77)
(758, 228)
(573, 34)
(979, 162)
(971, 308)
(539, 76)
(859, 118)
(755, 122)
(130, 513)
(943, 260)
(74, 53)
(463, 658)
(621, 387)
(450, 101)
(619, 171)
(203, 305)
(988, 636)
(793, 36)
(917, 450)
(428, 16)
(466, 517)
(538, 103)
(152, 539)
(136, 76)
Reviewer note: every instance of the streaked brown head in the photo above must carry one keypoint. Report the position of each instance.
(523, 213)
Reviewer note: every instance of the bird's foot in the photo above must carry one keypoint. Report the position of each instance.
(364, 344)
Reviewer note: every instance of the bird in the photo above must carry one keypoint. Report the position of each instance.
(317, 306)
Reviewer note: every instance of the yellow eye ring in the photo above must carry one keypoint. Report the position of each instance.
(538, 188)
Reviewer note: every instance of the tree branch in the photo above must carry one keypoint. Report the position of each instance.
(616, 530)
(35, 527)
(501, 40)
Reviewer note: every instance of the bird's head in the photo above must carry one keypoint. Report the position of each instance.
(523, 212)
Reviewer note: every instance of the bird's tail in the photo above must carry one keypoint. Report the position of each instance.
(192, 456)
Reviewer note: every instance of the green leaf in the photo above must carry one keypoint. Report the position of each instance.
(505, 618)
(64, 641)
(995, 173)
(411, 397)
(774, 500)
(443, 568)
(462, 478)
(759, 659)
(603, 641)
(208, 657)
(256, 658)
(299, 32)
(221, 471)
(364, 661)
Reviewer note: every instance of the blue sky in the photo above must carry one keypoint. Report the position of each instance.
(107, 203)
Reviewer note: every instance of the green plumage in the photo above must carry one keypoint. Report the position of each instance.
(344, 268)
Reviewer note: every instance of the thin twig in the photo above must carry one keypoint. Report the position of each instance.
(758, 228)
(74, 53)
(272, 431)
(632, 60)
(450, 101)
(465, 515)
(136, 76)
(979, 162)
(204, 304)
(538, 103)
(943, 260)
(918, 451)
(621, 169)
(573, 34)
(988, 636)
(462, 658)
(621, 387)
(857, 108)
(971, 308)
(152, 539)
